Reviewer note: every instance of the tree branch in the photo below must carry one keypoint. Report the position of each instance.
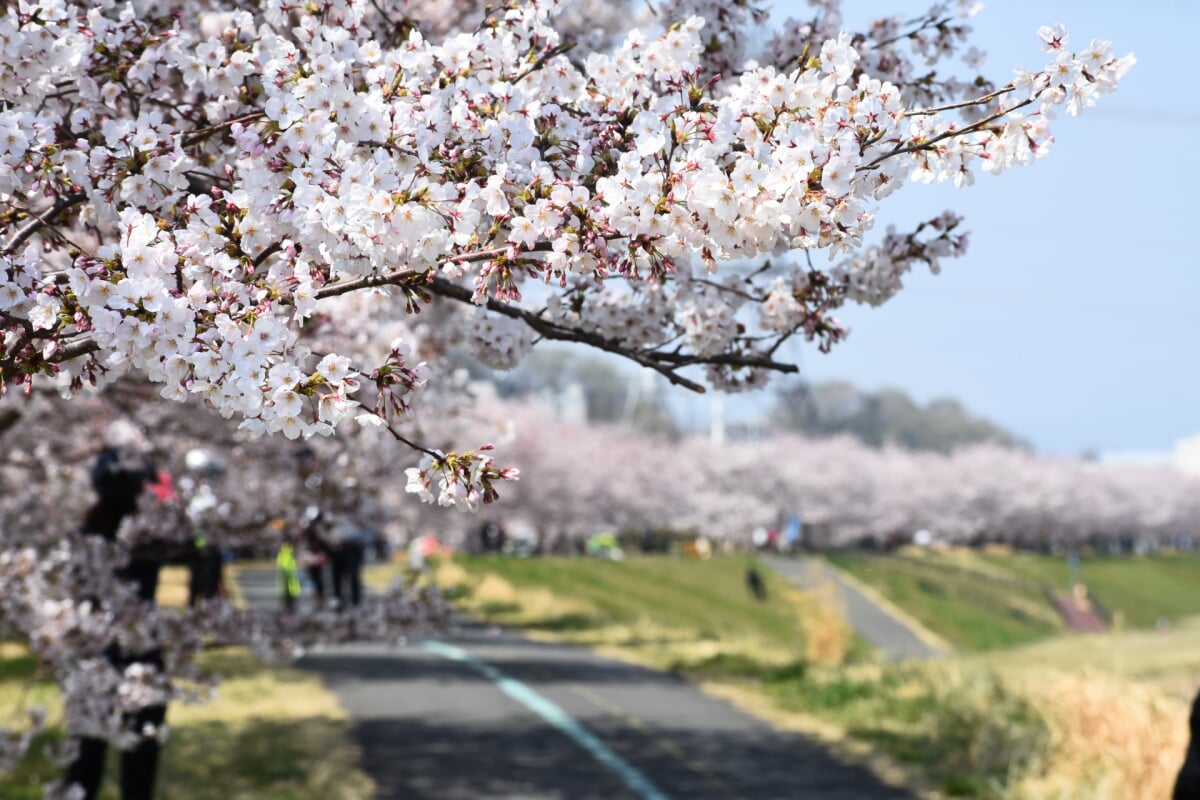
(666, 364)
(41, 220)
(204, 133)
(925, 112)
(974, 126)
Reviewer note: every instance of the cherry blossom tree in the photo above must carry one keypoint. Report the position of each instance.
(845, 492)
(189, 191)
(291, 215)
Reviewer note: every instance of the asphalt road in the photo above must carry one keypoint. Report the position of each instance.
(892, 636)
(482, 713)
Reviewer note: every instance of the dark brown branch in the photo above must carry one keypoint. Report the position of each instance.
(271, 249)
(73, 351)
(41, 220)
(926, 24)
(665, 364)
(720, 287)
(728, 359)
(550, 330)
(436, 456)
(202, 134)
(405, 275)
(369, 282)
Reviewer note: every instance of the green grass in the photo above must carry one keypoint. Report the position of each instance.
(1143, 588)
(707, 598)
(672, 613)
(986, 602)
(1061, 716)
(970, 606)
(272, 732)
(969, 735)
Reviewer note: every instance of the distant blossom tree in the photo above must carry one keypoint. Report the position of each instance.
(846, 492)
(293, 212)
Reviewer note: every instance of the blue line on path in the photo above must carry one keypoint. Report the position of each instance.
(555, 716)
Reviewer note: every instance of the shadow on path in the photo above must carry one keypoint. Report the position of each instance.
(432, 728)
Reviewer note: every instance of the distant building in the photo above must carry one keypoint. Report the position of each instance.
(1135, 458)
(572, 404)
(1186, 457)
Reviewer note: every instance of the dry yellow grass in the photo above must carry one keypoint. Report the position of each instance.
(528, 604)
(1116, 707)
(1170, 658)
(450, 574)
(172, 586)
(1109, 740)
(269, 732)
(821, 614)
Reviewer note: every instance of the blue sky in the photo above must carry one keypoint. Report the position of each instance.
(1072, 320)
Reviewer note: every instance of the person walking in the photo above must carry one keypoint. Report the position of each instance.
(118, 477)
(315, 556)
(347, 553)
(206, 563)
(755, 584)
(289, 575)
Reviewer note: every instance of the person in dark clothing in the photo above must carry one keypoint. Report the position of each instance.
(317, 553)
(206, 567)
(118, 477)
(1187, 783)
(492, 537)
(347, 554)
(204, 559)
(139, 765)
(755, 584)
(333, 529)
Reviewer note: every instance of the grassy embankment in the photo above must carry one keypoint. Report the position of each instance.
(970, 603)
(984, 602)
(1114, 705)
(270, 732)
(670, 613)
(1052, 720)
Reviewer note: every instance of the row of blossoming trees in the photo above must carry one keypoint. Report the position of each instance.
(845, 492)
(247, 204)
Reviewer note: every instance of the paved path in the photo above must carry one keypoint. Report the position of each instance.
(879, 626)
(505, 717)
(1078, 616)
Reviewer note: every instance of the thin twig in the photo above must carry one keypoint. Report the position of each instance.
(436, 456)
(405, 275)
(928, 23)
(974, 126)
(923, 112)
(723, 288)
(558, 50)
(204, 133)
